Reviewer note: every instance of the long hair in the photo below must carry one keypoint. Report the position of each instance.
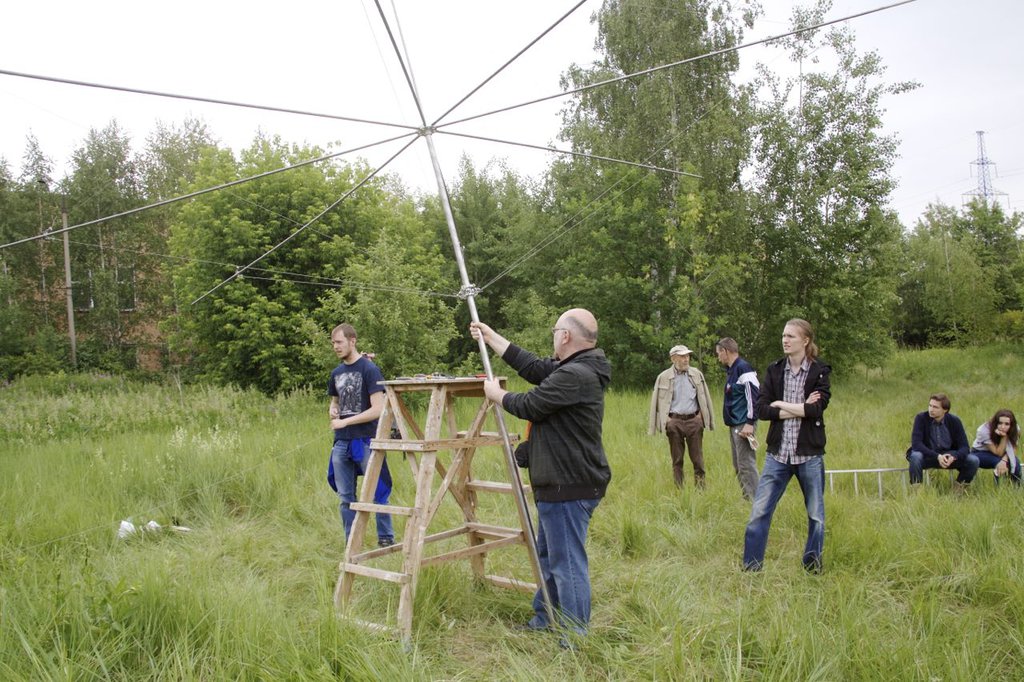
(1013, 434)
(807, 331)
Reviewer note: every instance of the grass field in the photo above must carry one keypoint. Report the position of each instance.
(917, 586)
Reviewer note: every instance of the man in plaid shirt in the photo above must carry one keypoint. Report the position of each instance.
(794, 394)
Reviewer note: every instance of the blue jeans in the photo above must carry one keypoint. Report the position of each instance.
(561, 540)
(919, 461)
(770, 487)
(986, 460)
(346, 470)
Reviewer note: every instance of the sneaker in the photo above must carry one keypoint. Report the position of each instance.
(385, 542)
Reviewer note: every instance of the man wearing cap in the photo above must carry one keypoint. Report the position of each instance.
(681, 408)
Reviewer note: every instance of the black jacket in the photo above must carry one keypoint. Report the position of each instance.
(567, 459)
(921, 436)
(811, 440)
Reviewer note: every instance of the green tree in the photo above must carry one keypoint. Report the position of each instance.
(998, 248)
(497, 213)
(167, 167)
(826, 245)
(105, 181)
(34, 211)
(171, 159)
(15, 321)
(31, 277)
(389, 295)
(949, 288)
(250, 332)
(659, 257)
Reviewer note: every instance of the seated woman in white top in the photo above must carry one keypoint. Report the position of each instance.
(995, 445)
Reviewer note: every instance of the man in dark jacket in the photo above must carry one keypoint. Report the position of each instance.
(794, 394)
(569, 472)
(741, 392)
(939, 441)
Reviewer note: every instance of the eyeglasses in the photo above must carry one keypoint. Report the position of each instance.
(558, 329)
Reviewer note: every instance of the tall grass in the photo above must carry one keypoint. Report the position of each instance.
(917, 585)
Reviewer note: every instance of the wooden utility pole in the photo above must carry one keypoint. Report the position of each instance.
(67, 283)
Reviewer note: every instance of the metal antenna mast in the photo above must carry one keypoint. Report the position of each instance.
(984, 191)
(469, 291)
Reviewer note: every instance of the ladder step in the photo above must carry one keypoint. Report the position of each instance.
(511, 583)
(377, 552)
(493, 487)
(381, 508)
(376, 627)
(378, 573)
(494, 531)
(445, 534)
(473, 550)
(391, 445)
(513, 437)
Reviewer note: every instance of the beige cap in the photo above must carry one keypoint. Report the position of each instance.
(679, 350)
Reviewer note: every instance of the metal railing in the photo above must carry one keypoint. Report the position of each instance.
(856, 473)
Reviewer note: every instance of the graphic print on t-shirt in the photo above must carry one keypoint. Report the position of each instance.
(349, 386)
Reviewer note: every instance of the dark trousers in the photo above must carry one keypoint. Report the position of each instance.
(986, 460)
(919, 461)
(686, 433)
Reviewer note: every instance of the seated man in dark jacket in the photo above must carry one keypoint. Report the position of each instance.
(568, 468)
(939, 441)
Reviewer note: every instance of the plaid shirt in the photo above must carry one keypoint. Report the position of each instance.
(793, 392)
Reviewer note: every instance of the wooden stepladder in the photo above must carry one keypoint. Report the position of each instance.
(421, 447)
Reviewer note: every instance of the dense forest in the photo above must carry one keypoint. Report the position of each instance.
(782, 211)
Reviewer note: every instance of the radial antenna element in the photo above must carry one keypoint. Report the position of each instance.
(468, 291)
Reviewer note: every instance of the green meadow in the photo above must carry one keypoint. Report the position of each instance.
(918, 585)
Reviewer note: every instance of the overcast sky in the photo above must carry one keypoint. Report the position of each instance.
(334, 57)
